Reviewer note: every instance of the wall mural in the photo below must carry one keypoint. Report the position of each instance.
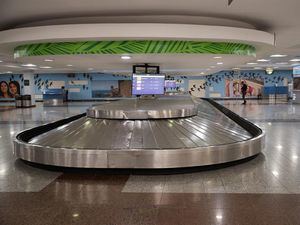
(220, 84)
(134, 47)
(231, 79)
(11, 86)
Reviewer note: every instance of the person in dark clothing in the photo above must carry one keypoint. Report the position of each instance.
(244, 91)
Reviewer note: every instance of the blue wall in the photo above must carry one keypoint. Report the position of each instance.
(98, 82)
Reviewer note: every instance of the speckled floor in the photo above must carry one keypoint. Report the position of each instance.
(265, 190)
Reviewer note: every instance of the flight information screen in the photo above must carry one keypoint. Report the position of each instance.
(148, 84)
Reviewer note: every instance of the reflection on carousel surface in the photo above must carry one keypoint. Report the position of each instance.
(157, 133)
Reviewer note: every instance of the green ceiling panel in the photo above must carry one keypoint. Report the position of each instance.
(133, 47)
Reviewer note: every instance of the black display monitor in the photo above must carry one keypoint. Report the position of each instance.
(148, 84)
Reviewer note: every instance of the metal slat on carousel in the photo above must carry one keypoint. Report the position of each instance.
(136, 133)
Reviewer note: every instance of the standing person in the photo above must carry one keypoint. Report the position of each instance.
(4, 90)
(244, 91)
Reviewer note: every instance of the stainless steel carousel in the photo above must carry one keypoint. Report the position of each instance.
(167, 132)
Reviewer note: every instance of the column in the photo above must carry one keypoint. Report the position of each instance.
(29, 88)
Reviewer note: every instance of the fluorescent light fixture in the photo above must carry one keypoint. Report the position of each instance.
(1, 61)
(202, 73)
(45, 67)
(282, 63)
(263, 60)
(252, 63)
(278, 56)
(295, 157)
(257, 68)
(125, 57)
(236, 68)
(12, 66)
(28, 65)
(48, 60)
(220, 63)
(69, 65)
(295, 64)
(217, 57)
(90, 68)
(8, 72)
(295, 60)
(75, 215)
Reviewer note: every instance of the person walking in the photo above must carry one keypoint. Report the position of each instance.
(244, 91)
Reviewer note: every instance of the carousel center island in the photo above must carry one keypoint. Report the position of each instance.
(165, 132)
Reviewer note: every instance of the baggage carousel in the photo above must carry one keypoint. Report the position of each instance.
(167, 132)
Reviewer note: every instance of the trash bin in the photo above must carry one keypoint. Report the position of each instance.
(26, 101)
(18, 101)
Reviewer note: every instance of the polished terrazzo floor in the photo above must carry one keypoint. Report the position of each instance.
(265, 190)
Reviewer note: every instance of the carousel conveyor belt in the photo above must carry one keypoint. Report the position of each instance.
(211, 135)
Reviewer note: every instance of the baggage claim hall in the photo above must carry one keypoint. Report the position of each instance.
(149, 112)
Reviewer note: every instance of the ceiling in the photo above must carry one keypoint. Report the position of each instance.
(274, 16)
(187, 64)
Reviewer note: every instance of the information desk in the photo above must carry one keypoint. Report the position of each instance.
(54, 97)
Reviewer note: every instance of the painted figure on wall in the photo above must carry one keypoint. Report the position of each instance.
(14, 88)
(4, 90)
(9, 90)
(233, 87)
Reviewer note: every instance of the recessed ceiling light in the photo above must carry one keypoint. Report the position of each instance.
(45, 67)
(275, 173)
(217, 57)
(8, 72)
(202, 73)
(1, 61)
(28, 65)
(252, 63)
(219, 217)
(282, 63)
(90, 68)
(125, 57)
(263, 60)
(220, 63)
(295, 60)
(278, 56)
(70, 65)
(236, 68)
(48, 60)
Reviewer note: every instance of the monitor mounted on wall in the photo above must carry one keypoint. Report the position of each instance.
(148, 84)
